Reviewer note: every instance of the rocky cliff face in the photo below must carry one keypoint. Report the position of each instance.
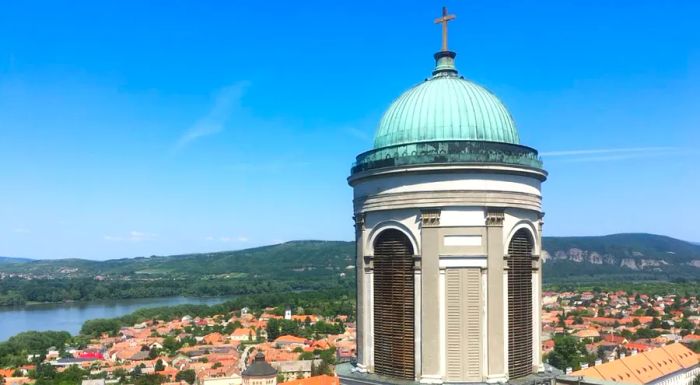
(637, 252)
(587, 256)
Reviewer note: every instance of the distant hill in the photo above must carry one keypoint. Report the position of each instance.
(289, 260)
(639, 255)
(625, 256)
(10, 260)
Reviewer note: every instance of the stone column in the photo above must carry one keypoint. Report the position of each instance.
(496, 297)
(361, 295)
(537, 301)
(430, 300)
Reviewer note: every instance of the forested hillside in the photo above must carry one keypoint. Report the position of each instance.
(286, 267)
(317, 265)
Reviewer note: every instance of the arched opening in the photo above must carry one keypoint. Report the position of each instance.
(520, 304)
(394, 305)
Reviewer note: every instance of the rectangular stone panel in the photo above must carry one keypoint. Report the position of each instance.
(462, 240)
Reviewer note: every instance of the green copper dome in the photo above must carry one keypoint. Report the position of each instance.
(446, 107)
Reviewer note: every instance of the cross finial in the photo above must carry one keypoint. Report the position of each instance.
(443, 20)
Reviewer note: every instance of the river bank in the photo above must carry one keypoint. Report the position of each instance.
(70, 316)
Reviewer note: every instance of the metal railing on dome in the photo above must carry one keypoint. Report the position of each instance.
(437, 152)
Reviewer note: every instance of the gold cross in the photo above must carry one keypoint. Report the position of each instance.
(443, 20)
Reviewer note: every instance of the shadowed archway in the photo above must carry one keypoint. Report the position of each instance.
(394, 317)
(520, 304)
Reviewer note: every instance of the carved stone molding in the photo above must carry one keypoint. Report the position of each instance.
(430, 217)
(430, 199)
(495, 217)
(368, 263)
(359, 219)
(535, 262)
(417, 263)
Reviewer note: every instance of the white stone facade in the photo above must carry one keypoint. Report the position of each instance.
(479, 209)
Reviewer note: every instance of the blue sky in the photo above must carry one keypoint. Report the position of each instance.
(135, 128)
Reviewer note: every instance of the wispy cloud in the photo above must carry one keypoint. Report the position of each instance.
(274, 166)
(358, 133)
(610, 154)
(228, 239)
(605, 151)
(225, 102)
(132, 236)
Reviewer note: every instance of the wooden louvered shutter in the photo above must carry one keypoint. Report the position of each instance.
(394, 347)
(472, 323)
(463, 309)
(520, 305)
(453, 297)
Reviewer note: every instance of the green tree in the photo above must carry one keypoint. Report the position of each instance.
(72, 375)
(150, 379)
(289, 327)
(273, 329)
(646, 333)
(567, 353)
(171, 345)
(120, 374)
(98, 326)
(324, 368)
(159, 367)
(188, 376)
(695, 346)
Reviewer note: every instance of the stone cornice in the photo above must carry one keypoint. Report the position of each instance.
(428, 199)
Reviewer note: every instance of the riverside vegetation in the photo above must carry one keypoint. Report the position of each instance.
(16, 350)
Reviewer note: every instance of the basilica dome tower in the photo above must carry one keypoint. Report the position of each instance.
(448, 221)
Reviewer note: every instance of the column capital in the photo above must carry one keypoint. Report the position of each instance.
(495, 217)
(359, 220)
(430, 217)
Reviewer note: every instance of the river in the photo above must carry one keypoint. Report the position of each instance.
(70, 316)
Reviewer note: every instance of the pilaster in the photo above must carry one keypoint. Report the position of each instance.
(361, 294)
(537, 300)
(496, 297)
(430, 297)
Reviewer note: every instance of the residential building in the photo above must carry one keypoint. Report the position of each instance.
(672, 364)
